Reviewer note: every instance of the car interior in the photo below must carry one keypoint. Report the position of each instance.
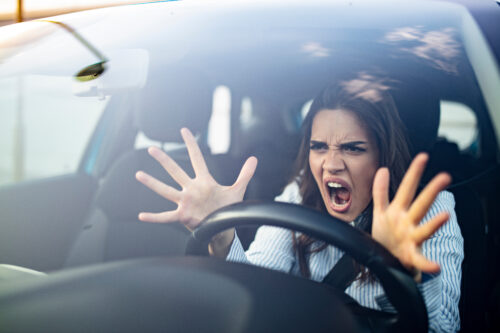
(100, 224)
(111, 230)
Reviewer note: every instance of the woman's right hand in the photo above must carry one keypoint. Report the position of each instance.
(200, 195)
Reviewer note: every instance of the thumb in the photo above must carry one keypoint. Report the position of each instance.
(380, 190)
(246, 173)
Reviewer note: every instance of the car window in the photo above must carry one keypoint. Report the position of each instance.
(46, 125)
(45, 128)
(246, 114)
(219, 126)
(458, 124)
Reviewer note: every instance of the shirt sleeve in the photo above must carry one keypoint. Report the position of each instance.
(441, 292)
(446, 248)
(236, 252)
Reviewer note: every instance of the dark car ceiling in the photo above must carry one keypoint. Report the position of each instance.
(487, 15)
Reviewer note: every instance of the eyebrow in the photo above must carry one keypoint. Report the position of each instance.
(354, 143)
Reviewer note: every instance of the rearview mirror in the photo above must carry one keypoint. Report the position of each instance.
(126, 70)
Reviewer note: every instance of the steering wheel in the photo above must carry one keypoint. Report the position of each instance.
(396, 281)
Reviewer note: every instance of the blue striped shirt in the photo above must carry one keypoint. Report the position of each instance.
(273, 249)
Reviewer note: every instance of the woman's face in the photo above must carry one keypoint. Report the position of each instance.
(343, 158)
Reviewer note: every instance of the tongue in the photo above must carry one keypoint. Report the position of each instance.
(343, 194)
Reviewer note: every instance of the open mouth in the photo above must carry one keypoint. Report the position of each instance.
(340, 196)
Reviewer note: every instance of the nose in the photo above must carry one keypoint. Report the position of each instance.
(334, 161)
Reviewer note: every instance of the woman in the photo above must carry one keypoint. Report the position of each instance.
(351, 165)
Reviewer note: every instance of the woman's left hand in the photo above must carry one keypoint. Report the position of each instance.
(396, 224)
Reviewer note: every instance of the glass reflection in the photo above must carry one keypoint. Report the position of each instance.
(367, 86)
(315, 49)
(437, 47)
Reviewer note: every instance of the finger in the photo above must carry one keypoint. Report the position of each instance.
(425, 231)
(425, 199)
(411, 179)
(380, 190)
(425, 265)
(159, 187)
(164, 217)
(246, 173)
(173, 169)
(195, 155)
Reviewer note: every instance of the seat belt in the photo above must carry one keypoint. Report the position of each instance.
(342, 273)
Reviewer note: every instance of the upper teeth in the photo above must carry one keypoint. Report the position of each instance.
(334, 185)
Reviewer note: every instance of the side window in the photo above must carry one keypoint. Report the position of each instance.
(219, 126)
(45, 128)
(305, 109)
(458, 124)
(46, 119)
(246, 115)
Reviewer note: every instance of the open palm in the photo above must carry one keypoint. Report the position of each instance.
(396, 224)
(200, 195)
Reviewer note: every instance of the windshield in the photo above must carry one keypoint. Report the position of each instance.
(241, 74)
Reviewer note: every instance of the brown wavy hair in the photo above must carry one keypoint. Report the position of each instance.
(370, 101)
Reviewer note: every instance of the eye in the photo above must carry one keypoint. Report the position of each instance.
(353, 148)
(318, 146)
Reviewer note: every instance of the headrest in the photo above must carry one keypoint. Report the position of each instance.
(174, 98)
(419, 109)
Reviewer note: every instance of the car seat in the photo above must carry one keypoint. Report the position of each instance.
(266, 137)
(469, 177)
(112, 230)
(419, 108)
